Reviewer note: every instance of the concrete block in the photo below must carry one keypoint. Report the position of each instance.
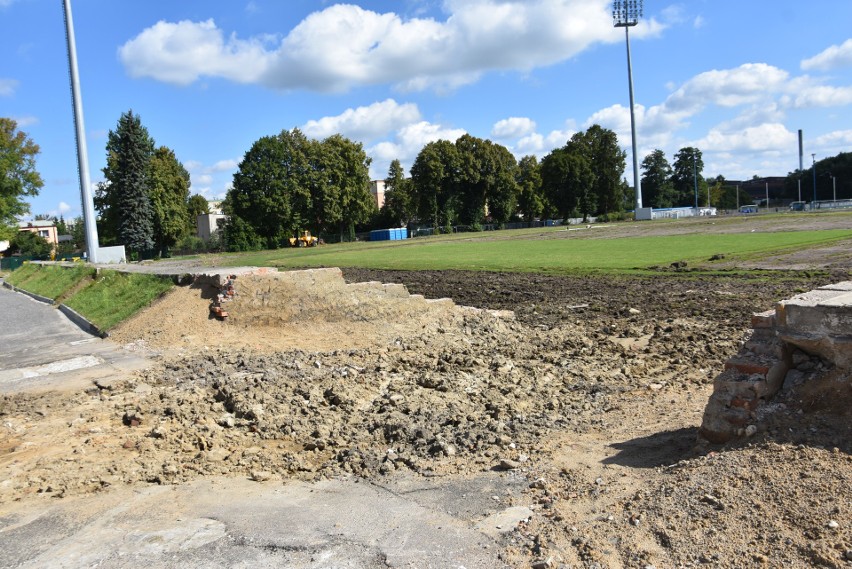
(836, 349)
(395, 290)
(841, 286)
(763, 319)
(828, 314)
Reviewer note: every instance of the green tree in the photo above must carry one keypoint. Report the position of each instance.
(169, 193)
(502, 189)
(485, 181)
(61, 226)
(123, 201)
(434, 178)
(688, 168)
(341, 190)
(530, 197)
(77, 230)
(397, 206)
(239, 235)
(556, 185)
(271, 190)
(18, 175)
(471, 186)
(30, 244)
(599, 147)
(567, 180)
(657, 184)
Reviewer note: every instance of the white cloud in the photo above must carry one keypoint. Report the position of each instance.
(477, 36)
(759, 138)
(202, 179)
(26, 121)
(834, 142)
(225, 165)
(63, 210)
(183, 52)
(205, 178)
(745, 84)
(408, 141)
(7, 87)
(513, 127)
(365, 123)
(823, 96)
(834, 57)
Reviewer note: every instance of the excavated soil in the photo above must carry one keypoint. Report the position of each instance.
(594, 391)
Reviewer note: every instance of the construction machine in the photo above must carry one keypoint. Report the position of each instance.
(304, 240)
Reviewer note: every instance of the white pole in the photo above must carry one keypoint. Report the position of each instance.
(82, 153)
(636, 181)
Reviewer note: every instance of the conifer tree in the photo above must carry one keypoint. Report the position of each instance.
(123, 201)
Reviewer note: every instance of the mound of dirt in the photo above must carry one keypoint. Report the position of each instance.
(594, 394)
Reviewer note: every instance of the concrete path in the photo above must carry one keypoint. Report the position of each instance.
(41, 349)
(407, 521)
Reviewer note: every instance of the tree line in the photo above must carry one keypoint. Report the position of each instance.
(288, 182)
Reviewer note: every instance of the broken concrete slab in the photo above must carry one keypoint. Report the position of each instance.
(819, 323)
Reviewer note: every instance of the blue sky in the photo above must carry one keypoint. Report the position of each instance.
(737, 79)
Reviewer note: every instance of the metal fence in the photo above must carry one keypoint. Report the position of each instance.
(12, 263)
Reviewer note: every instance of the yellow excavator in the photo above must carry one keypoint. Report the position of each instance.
(304, 240)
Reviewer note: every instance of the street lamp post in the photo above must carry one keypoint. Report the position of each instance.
(695, 180)
(833, 187)
(813, 157)
(625, 14)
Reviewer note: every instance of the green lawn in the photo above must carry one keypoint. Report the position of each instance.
(113, 297)
(557, 255)
(48, 281)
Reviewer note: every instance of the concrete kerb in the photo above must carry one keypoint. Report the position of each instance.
(81, 322)
(32, 295)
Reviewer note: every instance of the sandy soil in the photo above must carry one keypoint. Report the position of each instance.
(594, 391)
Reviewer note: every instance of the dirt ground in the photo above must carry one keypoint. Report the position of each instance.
(593, 390)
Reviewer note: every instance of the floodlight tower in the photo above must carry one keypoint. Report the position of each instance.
(92, 246)
(626, 14)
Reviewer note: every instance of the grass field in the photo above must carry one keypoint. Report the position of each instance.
(549, 255)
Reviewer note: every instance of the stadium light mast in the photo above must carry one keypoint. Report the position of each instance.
(626, 14)
(89, 222)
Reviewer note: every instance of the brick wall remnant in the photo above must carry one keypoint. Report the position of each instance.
(789, 345)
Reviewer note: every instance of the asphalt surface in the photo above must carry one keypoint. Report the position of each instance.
(41, 349)
(407, 521)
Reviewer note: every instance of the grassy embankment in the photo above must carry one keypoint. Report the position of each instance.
(105, 298)
(632, 255)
